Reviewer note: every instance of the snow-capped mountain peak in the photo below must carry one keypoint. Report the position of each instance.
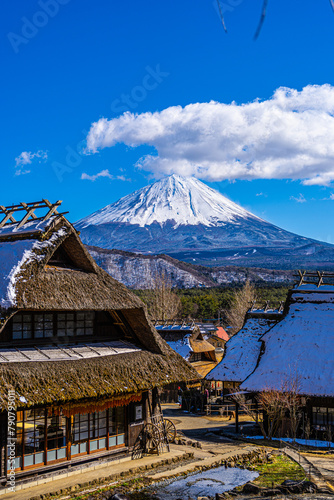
(180, 200)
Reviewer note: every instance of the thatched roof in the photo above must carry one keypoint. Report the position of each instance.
(29, 281)
(200, 345)
(26, 282)
(299, 350)
(242, 351)
(56, 382)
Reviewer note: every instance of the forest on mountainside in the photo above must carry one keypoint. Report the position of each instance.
(205, 303)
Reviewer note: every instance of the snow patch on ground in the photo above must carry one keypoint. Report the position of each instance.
(205, 484)
(305, 442)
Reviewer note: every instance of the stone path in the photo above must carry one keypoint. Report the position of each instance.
(312, 472)
(324, 464)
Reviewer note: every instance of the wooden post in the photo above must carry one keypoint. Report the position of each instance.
(69, 436)
(45, 435)
(237, 418)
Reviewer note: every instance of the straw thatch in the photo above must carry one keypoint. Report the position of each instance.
(38, 383)
(201, 345)
(42, 287)
(30, 283)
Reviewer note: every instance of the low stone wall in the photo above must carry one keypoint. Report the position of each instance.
(104, 481)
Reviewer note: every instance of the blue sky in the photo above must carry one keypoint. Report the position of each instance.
(67, 64)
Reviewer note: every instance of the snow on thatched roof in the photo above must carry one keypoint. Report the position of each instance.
(30, 281)
(299, 350)
(181, 346)
(27, 282)
(242, 351)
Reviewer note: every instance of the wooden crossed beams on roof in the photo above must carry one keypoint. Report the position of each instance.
(29, 209)
(315, 278)
(267, 306)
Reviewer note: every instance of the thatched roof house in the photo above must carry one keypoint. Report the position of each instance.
(297, 354)
(241, 351)
(189, 342)
(300, 348)
(74, 344)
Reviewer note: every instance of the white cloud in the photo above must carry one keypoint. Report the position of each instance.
(299, 199)
(103, 173)
(26, 158)
(290, 136)
(331, 197)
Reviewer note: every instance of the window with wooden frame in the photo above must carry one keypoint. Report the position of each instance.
(41, 435)
(196, 356)
(22, 326)
(31, 437)
(98, 430)
(35, 325)
(56, 438)
(43, 325)
(116, 426)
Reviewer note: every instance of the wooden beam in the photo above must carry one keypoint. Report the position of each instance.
(30, 213)
(52, 208)
(301, 275)
(321, 279)
(8, 216)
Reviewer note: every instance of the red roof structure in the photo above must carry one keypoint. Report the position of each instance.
(222, 334)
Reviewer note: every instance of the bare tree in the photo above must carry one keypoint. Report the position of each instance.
(292, 401)
(307, 429)
(250, 409)
(273, 403)
(162, 302)
(276, 403)
(243, 300)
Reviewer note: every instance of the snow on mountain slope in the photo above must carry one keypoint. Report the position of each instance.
(184, 218)
(185, 201)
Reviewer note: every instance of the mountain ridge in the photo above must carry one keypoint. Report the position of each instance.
(139, 271)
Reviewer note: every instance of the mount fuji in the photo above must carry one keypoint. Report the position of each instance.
(188, 220)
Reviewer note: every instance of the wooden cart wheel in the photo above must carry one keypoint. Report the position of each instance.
(170, 430)
(152, 437)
